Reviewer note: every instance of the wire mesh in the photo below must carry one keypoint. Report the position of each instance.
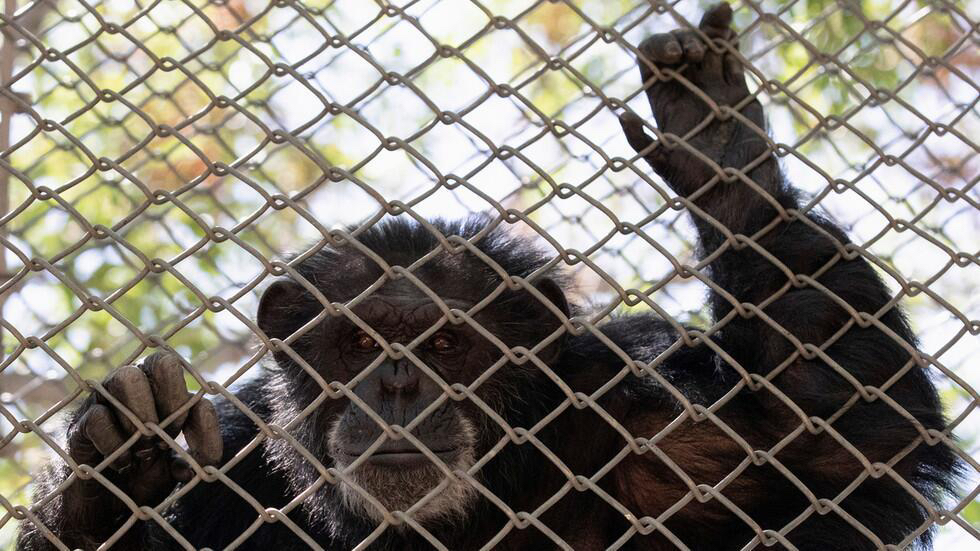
(160, 157)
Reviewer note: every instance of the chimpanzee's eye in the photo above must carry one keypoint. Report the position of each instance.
(443, 342)
(363, 341)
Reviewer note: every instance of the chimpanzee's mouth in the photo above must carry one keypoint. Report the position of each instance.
(402, 457)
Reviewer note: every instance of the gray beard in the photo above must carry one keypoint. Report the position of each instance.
(435, 496)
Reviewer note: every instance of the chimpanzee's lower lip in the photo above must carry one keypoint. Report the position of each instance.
(402, 458)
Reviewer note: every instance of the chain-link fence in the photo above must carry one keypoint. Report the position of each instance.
(159, 157)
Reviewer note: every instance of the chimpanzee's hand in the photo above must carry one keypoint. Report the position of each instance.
(679, 108)
(149, 470)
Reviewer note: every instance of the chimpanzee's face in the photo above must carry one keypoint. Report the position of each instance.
(397, 362)
(396, 434)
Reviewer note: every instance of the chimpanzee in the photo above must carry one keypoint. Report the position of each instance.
(802, 418)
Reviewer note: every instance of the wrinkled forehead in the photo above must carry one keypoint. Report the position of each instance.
(387, 308)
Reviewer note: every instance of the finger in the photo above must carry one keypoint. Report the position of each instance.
(635, 135)
(717, 21)
(203, 433)
(661, 48)
(691, 44)
(639, 140)
(80, 448)
(166, 378)
(98, 428)
(734, 72)
(129, 385)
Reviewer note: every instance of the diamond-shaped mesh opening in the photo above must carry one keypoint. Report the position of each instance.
(256, 201)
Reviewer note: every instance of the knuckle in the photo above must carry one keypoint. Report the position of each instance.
(170, 373)
(654, 41)
(97, 420)
(647, 42)
(208, 412)
(645, 48)
(124, 378)
(162, 365)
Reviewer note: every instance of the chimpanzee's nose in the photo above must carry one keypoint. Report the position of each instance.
(399, 377)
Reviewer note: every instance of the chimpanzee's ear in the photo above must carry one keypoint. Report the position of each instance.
(546, 321)
(285, 307)
(553, 292)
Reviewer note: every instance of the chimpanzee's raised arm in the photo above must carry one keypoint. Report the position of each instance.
(716, 154)
(818, 322)
(715, 150)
